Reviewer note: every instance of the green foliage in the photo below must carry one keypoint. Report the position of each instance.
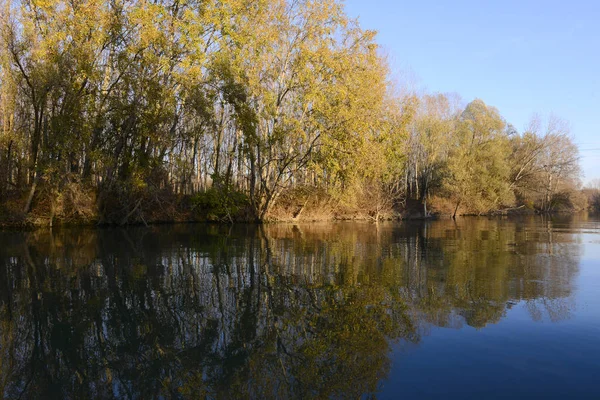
(221, 202)
(478, 160)
(152, 97)
(595, 202)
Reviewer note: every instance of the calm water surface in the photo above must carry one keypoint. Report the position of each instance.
(476, 308)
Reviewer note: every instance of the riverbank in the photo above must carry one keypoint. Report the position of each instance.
(79, 207)
(33, 222)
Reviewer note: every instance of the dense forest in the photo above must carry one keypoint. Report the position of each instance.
(134, 111)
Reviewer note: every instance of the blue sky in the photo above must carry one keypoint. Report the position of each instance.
(523, 57)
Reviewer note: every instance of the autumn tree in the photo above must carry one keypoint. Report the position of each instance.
(428, 146)
(307, 82)
(478, 160)
(592, 190)
(545, 166)
(130, 111)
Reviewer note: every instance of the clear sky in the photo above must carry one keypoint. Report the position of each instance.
(523, 57)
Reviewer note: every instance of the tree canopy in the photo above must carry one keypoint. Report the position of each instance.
(129, 110)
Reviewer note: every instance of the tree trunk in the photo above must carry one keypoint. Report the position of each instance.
(456, 210)
(31, 194)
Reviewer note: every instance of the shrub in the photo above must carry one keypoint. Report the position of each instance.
(595, 202)
(220, 202)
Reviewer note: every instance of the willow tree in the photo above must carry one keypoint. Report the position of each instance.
(428, 145)
(478, 160)
(101, 88)
(308, 81)
(51, 49)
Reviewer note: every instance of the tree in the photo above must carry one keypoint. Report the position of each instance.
(560, 163)
(592, 189)
(124, 111)
(545, 165)
(428, 146)
(478, 160)
(309, 80)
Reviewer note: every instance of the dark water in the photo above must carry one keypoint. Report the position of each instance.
(474, 309)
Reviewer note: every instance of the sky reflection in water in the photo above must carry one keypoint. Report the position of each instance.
(477, 308)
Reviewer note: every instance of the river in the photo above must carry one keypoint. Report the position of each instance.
(473, 308)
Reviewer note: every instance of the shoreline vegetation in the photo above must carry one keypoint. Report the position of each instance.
(134, 112)
(33, 223)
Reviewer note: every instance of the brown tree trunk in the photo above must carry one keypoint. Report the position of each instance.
(456, 210)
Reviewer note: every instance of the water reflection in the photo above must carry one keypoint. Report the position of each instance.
(260, 312)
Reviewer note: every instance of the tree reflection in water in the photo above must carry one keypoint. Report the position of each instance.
(275, 311)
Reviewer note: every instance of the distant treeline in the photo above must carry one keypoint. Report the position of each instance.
(592, 192)
(135, 111)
